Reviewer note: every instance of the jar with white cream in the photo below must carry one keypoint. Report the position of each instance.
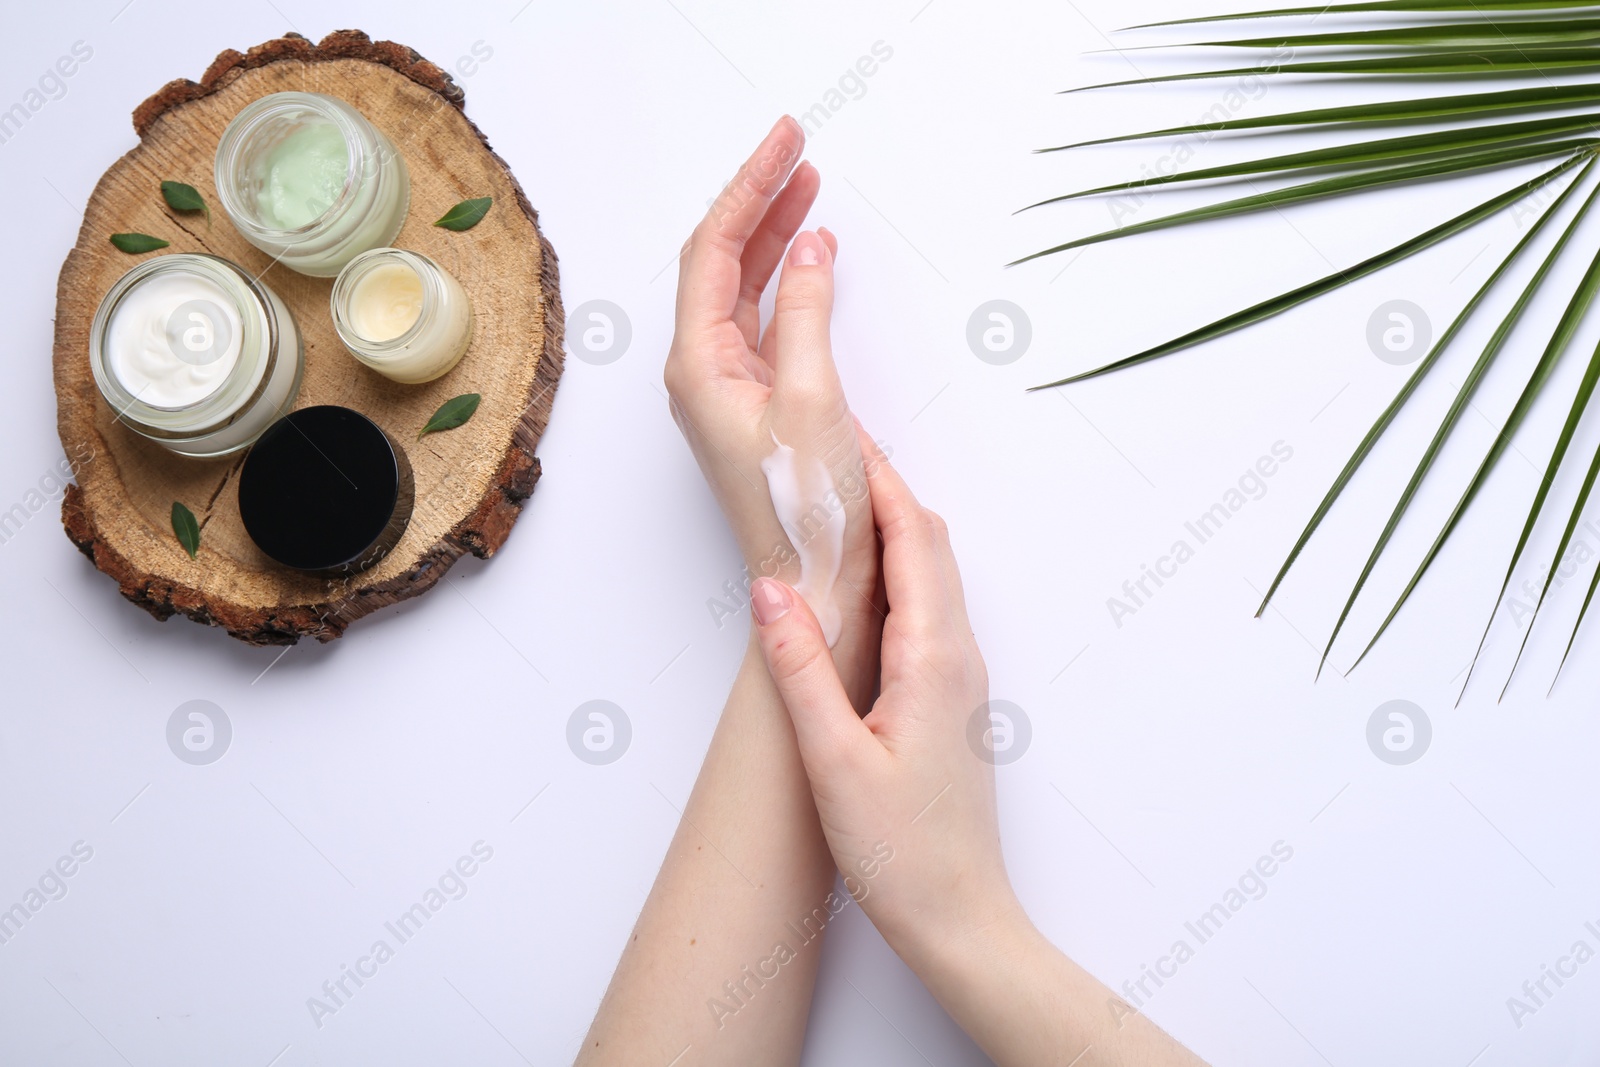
(193, 353)
(308, 180)
(402, 314)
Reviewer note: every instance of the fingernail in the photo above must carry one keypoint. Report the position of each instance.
(769, 600)
(807, 250)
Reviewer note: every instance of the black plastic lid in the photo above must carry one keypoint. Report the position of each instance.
(326, 490)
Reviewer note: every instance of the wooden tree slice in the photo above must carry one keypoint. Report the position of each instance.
(470, 482)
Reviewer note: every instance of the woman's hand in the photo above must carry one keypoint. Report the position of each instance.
(907, 804)
(907, 801)
(735, 389)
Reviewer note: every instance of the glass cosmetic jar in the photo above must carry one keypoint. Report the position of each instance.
(308, 180)
(402, 315)
(193, 353)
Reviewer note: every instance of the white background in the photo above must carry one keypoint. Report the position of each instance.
(1168, 753)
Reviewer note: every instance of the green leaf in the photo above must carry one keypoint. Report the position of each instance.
(1465, 393)
(452, 413)
(1479, 62)
(181, 197)
(1385, 5)
(1326, 187)
(467, 214)
(1580, 403)
(1278, 305)
(1368, 153)
(186, 528)
(1438, 41)
(1570, 320)
(137, 243)
(1476, 34)
(1561, 550)
(1470, 386)
(1583, 611)
(1391, 111)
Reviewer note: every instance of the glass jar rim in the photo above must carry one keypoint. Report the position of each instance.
(339, 112)
(217, 409)
(350, 277)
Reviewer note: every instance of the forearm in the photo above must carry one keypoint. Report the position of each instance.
(748, 858)
(1027, 1005)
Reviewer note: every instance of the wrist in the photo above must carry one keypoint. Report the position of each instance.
(970, 940)
(989, 972)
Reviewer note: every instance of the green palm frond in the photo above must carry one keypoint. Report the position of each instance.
(1474, 105)
(1431, 138)
(1404, 7)
(1469, 62)
(1474, 35)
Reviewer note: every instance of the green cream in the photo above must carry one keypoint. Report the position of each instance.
(302, 176)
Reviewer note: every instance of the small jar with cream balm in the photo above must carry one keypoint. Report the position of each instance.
(401, 314)
(308, 180)
(195, 354)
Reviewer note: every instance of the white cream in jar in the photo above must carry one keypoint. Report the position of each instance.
(811, 511)
(195, 354)
(174, 340)
(402, 314)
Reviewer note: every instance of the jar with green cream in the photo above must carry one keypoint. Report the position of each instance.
(308, 180)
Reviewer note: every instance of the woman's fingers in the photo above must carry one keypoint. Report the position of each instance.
(709, 269)
(914, 544)
(896, 498)
(764, 251)
(805, 377)
(825, 724)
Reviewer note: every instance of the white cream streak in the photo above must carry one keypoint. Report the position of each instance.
(811, 511)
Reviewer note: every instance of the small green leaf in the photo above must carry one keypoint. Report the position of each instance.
(137, 243)
(467, 214)
(186, 528)
(452, 413)
(181, 197)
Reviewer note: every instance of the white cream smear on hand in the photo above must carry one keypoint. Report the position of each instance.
(173, 340)
(811, 511)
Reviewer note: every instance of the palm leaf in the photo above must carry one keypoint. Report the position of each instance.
(1427, 364)
(1583, 611)
(1366, 153)
(1397, 6)
(1561, 550)
(1478, 62)
(1326, 187)
(1580, 403)
(1453, 35)
(1387, 112)
(1279, 304)
(1471, 132)
(1470, 385)
(1570, 319)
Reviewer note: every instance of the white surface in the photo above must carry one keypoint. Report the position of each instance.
(1167, 755)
